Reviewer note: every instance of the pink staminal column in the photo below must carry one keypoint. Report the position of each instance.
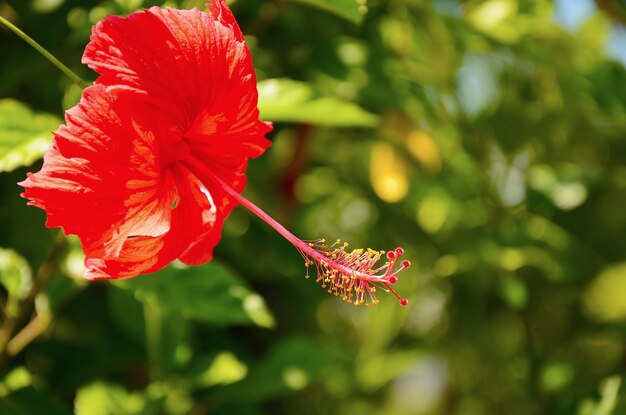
(352, 275)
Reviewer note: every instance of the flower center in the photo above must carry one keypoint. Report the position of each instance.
(175, 151)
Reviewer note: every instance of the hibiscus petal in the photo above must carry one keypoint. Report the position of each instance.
(192, 64)
(186, 61)
(196, 229)
(137, 256)
(222, 13)
(65, 188)
(177, 89)
(200, 249)
(101, 179)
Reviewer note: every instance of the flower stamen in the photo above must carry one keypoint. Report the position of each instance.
(351, 275)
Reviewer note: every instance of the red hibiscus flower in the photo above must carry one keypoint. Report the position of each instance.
(177, 89)
(152, 160)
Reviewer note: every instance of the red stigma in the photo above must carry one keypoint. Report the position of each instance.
(406, 264)
(393, 280)
(399, 251)
(404, 302)
(391, 255)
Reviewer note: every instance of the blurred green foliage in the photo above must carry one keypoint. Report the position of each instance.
(486, 137)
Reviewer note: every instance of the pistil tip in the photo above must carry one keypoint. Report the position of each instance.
(404, 302)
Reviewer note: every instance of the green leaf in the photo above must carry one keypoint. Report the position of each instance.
(130, 5)
(127, 313)
(603, 298)
(28, 400)
(167, 336)
(556, 376)
(16, 379)
(108, 399)
(24, 135)
(224, 368)
(292, 365)
(15, 276)
(209, 293)
(286, 100)
(609, 394)
(352, 10)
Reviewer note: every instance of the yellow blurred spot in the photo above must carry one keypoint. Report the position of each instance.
(295, 378)
(18, 378)
(46, 6)
(446, 265)
(398, 124)
(604, 297)
(98, 13)
(74, 263)
(224, 370)
(556, 375)
(497, 18)
(397, 34)
(490, 13)
(76, 18)
(257, 310)
(568, 196)
(512, 259)
(388, 173)
(183, 354)
(425, 150)
(432, 213)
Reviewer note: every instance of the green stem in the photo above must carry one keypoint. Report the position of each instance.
(153, 320)
(67, 71)
(13, 322)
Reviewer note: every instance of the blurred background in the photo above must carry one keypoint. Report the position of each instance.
(485, 137)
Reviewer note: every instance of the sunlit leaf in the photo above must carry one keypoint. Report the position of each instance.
(514, 292)
(16, 379)
(290, 366)
(223, 369)
(374, 372)
(604, 297)
(24, 135)
(15, 276)
(556, 375)
(352, 10)
(285, 100)
(491, 17)
(209, 293)
(46, 6)
(609, 389)
(490, 13)
(107, 399)
(130, 5)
